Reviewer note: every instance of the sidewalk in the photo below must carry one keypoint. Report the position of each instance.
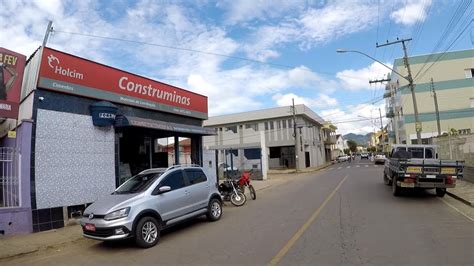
(464, 191)
(54, 239)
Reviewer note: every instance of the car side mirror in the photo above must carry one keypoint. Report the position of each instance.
(162, 190)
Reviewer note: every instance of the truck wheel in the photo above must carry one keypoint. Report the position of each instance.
(440, 192)
(395, 189)
(387, 181)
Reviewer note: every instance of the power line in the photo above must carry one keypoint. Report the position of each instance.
(206, 53)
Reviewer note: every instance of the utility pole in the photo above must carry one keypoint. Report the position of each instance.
(295, 135)
(49, 29)
(418, 125)
(381, 129)
(436, 107)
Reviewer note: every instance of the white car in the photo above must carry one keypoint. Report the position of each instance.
(343, 158)
(379, 158)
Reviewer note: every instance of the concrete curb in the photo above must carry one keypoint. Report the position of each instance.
(468, 203)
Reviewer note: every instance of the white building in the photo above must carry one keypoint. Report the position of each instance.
(264, 139)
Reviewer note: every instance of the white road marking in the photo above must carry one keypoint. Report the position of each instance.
(348, 167)
(376, 166)
(339, 167)
(358, 166)
(456, 209)
(366, 165)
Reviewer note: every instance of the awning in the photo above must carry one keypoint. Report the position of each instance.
(130, 121)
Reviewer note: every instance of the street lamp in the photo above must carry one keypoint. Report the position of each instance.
(362, 53)
(410, 83)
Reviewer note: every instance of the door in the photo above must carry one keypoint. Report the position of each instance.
(173, 203)
(198, 188)
(307, 160)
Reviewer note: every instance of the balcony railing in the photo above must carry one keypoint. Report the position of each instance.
(389, 113)
(330, 140)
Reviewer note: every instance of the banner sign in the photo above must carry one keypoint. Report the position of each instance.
(12, 66)
(70, 74)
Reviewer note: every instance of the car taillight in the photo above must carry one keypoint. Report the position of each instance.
(450, 180)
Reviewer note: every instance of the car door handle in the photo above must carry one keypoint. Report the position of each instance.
(186, 192)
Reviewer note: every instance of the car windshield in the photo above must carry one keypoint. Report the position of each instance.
(137, 183)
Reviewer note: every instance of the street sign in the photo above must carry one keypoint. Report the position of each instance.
(418, 126)
(12, 134)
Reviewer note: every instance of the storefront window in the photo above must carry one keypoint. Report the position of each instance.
(185, 151)
(164, 152)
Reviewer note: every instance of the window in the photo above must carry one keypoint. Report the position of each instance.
(234, 152)
(252, 154)
(416, 152)
(266, 125)
(195, 176)
(469, 72)
(137, 183)
(284, 123)
(253, 126)
(429, 154)
(278, 124)
(290, 123)
(175, 180)
(271, 125)
(231, 128)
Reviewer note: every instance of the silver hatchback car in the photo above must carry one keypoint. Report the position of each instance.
(151, 201)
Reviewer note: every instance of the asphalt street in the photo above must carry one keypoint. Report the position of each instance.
(343, 215)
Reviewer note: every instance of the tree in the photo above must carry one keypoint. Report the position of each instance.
(352, 145)
(347, 151)
(371, 149)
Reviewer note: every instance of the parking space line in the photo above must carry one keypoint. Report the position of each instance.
(303, 228)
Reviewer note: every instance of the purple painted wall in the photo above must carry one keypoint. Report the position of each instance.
(18, 220)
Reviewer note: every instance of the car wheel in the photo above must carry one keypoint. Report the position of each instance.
(214, 210)
(440, 192)
(395, 189)
(147, 232)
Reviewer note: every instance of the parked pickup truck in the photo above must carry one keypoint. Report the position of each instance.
(418, 166)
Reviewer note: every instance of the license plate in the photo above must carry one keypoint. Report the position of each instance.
(414, 169)
(448, 171)
(90, 227)
(430, 176)
(403, 184)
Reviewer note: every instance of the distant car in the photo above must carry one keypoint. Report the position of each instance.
(379, 158)
(343, 158)
(364, 155)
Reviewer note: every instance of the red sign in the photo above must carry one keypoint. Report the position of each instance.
(12, 66)
(70, 74)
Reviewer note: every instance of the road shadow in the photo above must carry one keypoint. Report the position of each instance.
(129, 244)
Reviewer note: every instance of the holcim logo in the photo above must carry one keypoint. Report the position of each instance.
(53, 63)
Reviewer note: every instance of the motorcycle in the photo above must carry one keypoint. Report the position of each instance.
(229, 192)
(243, 182)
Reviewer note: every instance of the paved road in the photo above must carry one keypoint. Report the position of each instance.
(343, 215)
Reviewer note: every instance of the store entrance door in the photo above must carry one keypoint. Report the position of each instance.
(140, 149)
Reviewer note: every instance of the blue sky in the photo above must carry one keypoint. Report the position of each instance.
(295, 41)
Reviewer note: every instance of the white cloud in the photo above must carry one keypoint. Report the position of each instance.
(358, 119)
(358, 79)
(248, 10)
(412, 12)
(321, 101)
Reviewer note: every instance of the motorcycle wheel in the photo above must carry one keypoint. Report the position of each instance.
(238, 199)
(253, 195)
